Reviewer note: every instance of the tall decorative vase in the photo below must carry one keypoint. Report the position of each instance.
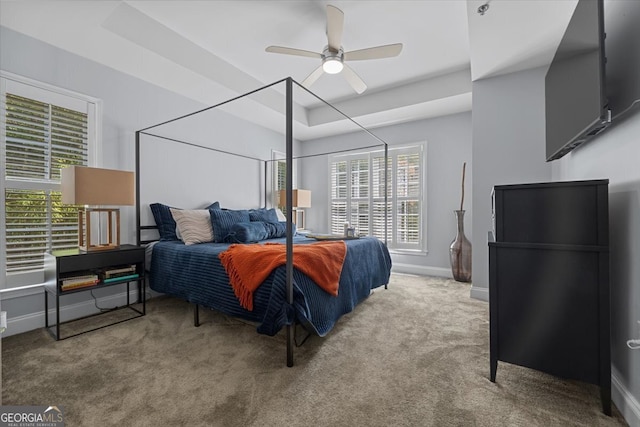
(460, 252)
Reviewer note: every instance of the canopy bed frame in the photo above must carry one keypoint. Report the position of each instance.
(158, 132)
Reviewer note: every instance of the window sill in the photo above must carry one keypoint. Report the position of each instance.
(412, 252)
(21, 291)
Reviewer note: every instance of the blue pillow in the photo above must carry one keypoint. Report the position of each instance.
(248, 232)
(223, 220)
(165, 222)
(263, 214)
(255, 231)
(278, 229)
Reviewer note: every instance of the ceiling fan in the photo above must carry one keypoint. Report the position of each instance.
(333, 55)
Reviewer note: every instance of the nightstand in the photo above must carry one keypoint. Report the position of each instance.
(68, 272)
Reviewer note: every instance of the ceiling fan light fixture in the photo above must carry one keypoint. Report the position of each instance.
(333, 55)
(332, 65)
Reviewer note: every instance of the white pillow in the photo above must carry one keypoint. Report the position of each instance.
(194, 225)
(281, 216)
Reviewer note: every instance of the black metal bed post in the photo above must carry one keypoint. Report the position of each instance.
(138, 188)
(289, 192)
(386, 196)
(386, 191)
(141, 285)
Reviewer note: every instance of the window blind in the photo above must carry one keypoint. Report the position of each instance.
(358, 195)
(279, 178)
(37, 221)
(408, 198)
(40, 138)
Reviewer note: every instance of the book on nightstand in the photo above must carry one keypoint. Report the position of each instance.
(119, 278)
(79, 282)
(119, 272)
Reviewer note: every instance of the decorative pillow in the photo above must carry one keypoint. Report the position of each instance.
(248, 232)
(165, 222)
(194, 225)
(223, 220)
(255, 231)
(214, 205)
(278, 229)
(266, 215)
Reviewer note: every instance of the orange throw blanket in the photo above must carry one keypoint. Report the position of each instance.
(249, 265)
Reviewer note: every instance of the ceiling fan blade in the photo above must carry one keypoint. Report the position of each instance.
(353, 79)
(311, 78)
(335, 24)
(377, 52)
(292, 51)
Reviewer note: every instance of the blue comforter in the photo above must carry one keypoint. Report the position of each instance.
(194, 273)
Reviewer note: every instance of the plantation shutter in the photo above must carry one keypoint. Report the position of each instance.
(359, 212)
(279, 178)
(378, 208)
(338, 196)
(37, 222)
(358, 195)
(41, 138)
(408, 195)
(43, 132)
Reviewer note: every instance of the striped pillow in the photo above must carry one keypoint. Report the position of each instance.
(165, 222)
(194, 225)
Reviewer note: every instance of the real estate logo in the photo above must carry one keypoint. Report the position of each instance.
(31, 416)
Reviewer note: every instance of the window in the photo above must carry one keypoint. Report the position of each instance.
(43, 130)
(358, 195)
(279, 175)
(279, 180)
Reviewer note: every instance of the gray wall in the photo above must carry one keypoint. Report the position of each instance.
(130, 104)
(508, 148)
(615, 155)
(448, 146)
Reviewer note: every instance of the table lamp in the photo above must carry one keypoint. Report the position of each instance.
(300, 199)
(95, 187)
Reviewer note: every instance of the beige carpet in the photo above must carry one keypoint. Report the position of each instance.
(416, 354)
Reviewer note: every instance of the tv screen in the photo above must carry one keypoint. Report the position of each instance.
(575, 99)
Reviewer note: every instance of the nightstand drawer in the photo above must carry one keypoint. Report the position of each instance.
(75, 260)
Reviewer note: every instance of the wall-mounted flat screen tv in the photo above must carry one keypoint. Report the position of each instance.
(575, 98)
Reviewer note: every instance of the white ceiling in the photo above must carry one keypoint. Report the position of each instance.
(214, 50)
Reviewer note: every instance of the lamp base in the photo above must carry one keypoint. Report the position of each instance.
(298, 214)
(85, 242)
(92, 248)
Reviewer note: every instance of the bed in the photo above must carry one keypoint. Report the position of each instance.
(196, 272)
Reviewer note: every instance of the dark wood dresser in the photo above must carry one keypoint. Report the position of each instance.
(549, 280)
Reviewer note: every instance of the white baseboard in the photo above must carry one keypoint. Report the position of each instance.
(421, 270)
(32, 321)
(624, 401)
(480, 293)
